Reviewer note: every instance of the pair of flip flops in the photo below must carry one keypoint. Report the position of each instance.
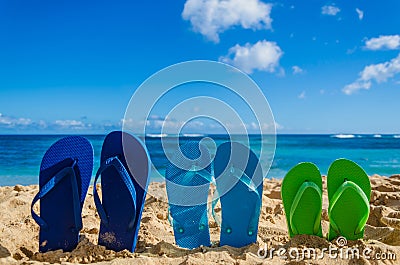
(65, 175)
(349, 192)
(238, 181)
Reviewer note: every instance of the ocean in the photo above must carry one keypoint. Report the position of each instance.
(20, 155)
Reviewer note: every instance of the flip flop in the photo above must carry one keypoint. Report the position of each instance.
(301, 193)
(349, 191)
(239, 180)
(187, 185)
(125, 171)
(64, 179)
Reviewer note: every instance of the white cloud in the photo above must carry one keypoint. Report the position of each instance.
(212, 17)
(81, 126)
(71, 124)
(269, 126)
(352, 50)
(5, 121)
(42, 124)
(357, 85)
(154, 124)
(255, 126)
(11, 122)
(375, 72)
(360, 13)
(278, 126)
(330, 10)
(297, 70)
(390, 42)
(302, 95)
(262, 56)
(382, 71)
(67, 123)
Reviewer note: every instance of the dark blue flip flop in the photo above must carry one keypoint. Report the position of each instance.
(187, 187)
(64, 179)
(239, 180)
(125, 171)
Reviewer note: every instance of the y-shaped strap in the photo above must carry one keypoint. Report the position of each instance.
(246, 180)
(336, 196)
(305, 186)
(189, 174)
(192, 172)
(123, 173)
(46, 188)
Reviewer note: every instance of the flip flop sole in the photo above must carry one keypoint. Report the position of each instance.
(116, 198)
(238, 202)
(57, 207)
(187, 197)
(347, 223)
(302, 217)
(352, 207)
(239, 212)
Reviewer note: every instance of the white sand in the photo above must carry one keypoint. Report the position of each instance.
(19, 233)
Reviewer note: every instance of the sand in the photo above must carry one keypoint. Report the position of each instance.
(19, 233)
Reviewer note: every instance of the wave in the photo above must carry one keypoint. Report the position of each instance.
(377, 136)
(156, 135)
(343, 136)
(396, 136)
(193, 135)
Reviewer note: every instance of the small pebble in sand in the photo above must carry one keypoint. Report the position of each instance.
(19, 188)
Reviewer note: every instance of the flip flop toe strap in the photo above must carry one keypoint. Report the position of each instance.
(307, 185)
(188, 176)
(248, 182)
(115, 163)
(336, 196)
(50, 185)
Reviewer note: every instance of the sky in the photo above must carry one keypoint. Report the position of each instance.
(72, 66)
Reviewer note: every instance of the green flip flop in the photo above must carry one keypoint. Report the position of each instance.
(349, 191)
(302, 200)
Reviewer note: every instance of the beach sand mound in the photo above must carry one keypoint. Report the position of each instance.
(19, 233)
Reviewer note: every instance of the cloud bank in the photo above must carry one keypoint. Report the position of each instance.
(13, 124)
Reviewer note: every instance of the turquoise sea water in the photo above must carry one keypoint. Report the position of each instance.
(20, 155)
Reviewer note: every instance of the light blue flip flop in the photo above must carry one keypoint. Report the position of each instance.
(239, 180)
(187, 185)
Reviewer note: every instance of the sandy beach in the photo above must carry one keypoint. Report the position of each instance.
(19, 233)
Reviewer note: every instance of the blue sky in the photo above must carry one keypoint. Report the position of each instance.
(324, 66)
